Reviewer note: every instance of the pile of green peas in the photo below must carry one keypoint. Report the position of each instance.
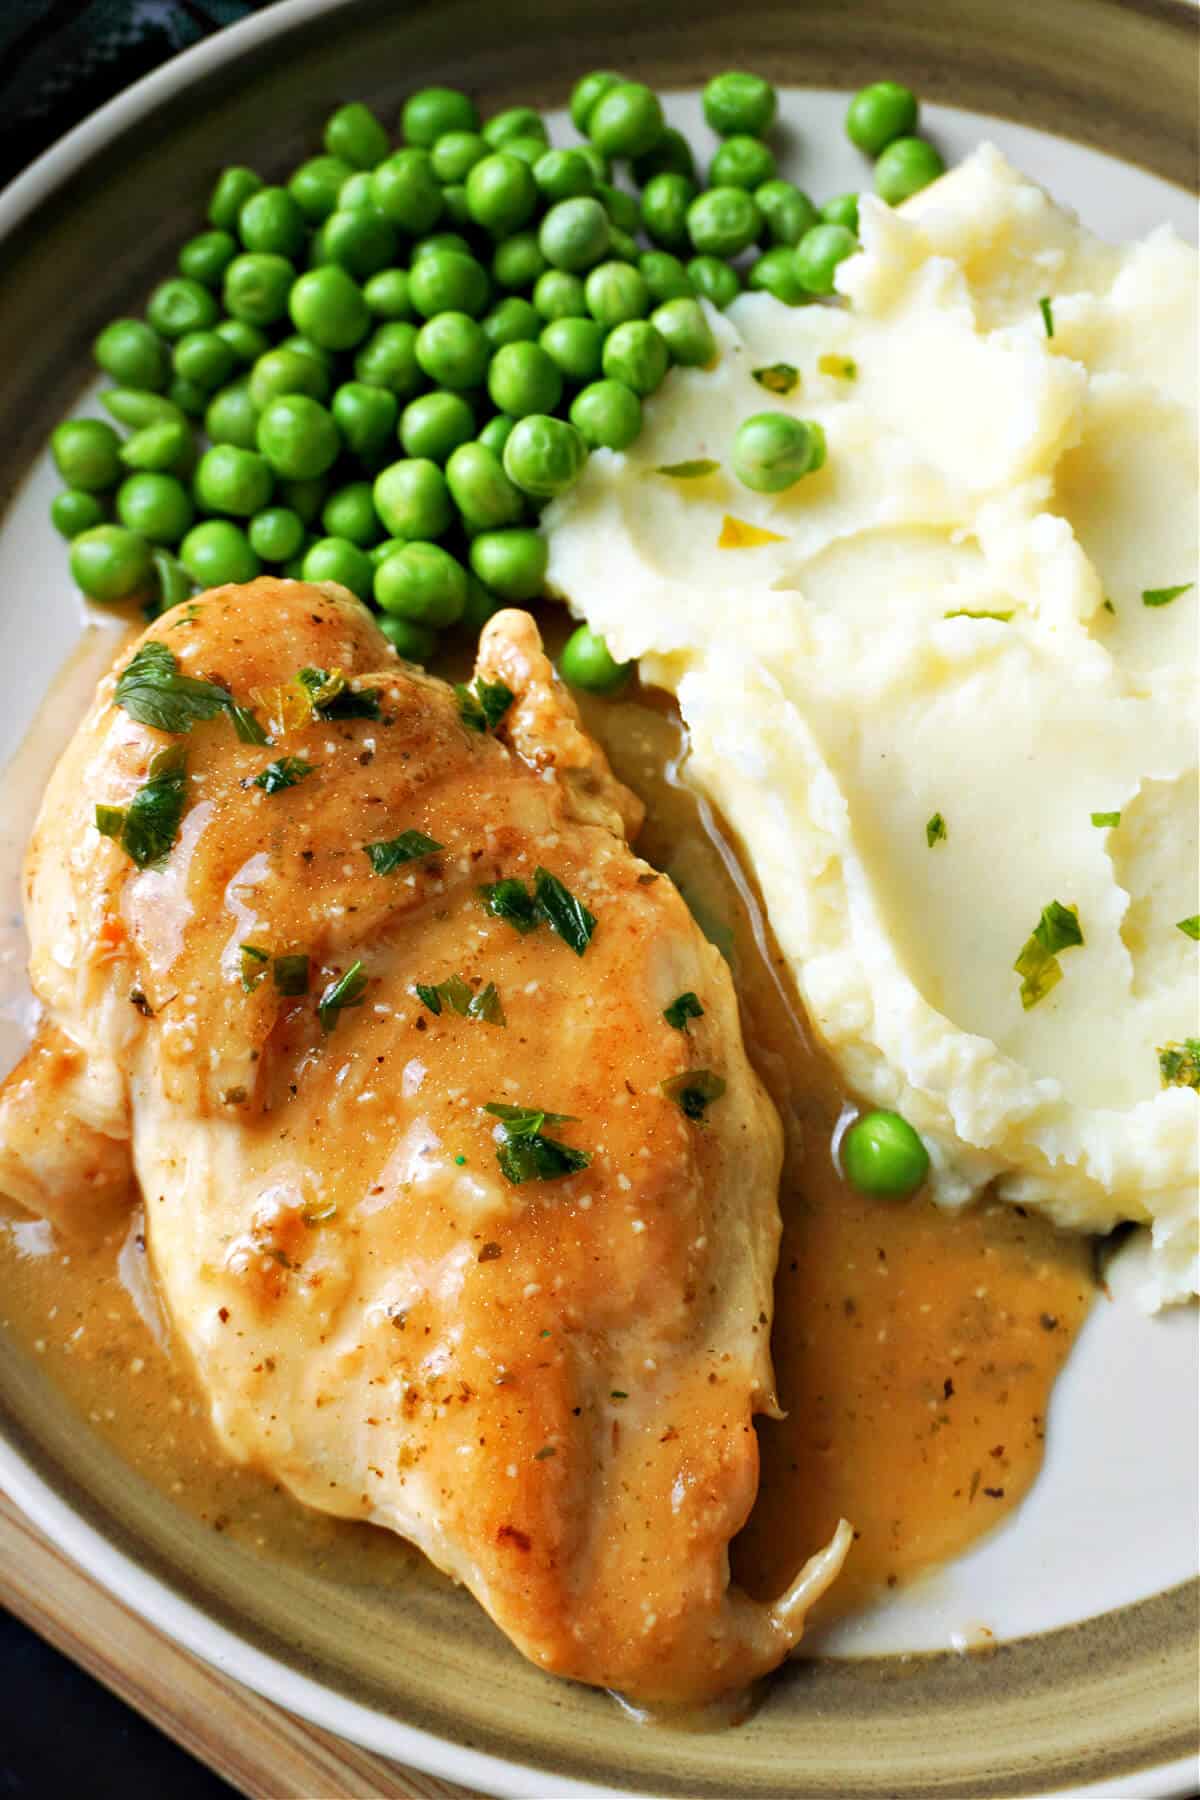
(378, 371)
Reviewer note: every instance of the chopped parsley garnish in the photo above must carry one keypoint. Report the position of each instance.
(392, 853)
(290, 974)
(1108, 605)
(319, 1212)
(486, 1005)
(1046, 308)
(330, 695)
(935, 830)
(1179, 1064)
(147, 828)
(347, 990)
(254, 965)
(844, 367)
(482, 706)
(688, 471)
(563, 913)
(511, 901)
(1189, 927)
(1164, 596)
(154, 692)
(527, 1154)
(284, 772)
(456, 993)
(686, 1007)
(1038, 966)
(693, 1091)
(1105, 819)
(777, 378)
(965, 612)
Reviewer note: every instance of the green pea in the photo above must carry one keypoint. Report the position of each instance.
(743, 162)
(246, 341)
(435, 424)
(232, 480)
(383, 549)
(435, 242)
(412, 499)
(272, 222)
(423, 583)
(454, 200)
(623, 211)
(365, 416)
(74, 511)
(517, 262)
(328, 307)
(286, 371)
(188, 396)
(406, 191)
(316, 187)
(574, 346)
(724, 221)
(544, 456)
(787, 212)
(481, 606)
(110, 563)
(179, 305)
(355, 134)
(276, 534)
(387, 296)
(433, 111)
(607, 415)
(362, 242)
(665, 202)
(775, 273)
(714, 280)
(350, 513)
(587, 90)
(234, 187)
(665, 276)
(515, 122)
(772, 451)
(87, 454)
(256, 288)
(513, 321)
(622, 247)
(453, 350)
(455, 154)
(564, 174)
(522, 379)
(337, 559)
(575, 234)
(512, 563)
(684, 329)
(635, 354)
(616, 291)
(501, 193)
(157, 506)
(736, 103)
(293, 568)
(203, 358)
(415, 643)
(132, 354)
(174, 582)
(232, 417)
(530, 149)
(206, 257)
(587, 662)
(495, 434)
(842, 210)
(905, 167)
(882, 1154)
(482, 491)
(165, 447)
(447, 281)
(818, 254)
(672, 155)
(298, 437)
(879, 114)
(559, 295)
(599, 165)
(355, 192)
(626, 120)
(304, 496)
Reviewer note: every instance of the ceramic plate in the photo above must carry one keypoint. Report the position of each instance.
(1092, 1689)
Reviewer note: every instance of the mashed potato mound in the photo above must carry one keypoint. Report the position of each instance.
(949, 620)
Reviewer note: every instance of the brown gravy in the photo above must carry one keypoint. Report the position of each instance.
(915, 1350)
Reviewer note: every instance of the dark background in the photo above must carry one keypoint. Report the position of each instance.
(60, 1731)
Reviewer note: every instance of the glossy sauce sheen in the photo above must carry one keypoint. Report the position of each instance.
(915, 1351)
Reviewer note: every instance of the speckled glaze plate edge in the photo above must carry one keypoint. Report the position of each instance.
(1106, 1707)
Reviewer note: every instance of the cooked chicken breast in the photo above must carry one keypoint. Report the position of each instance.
(530, 1339)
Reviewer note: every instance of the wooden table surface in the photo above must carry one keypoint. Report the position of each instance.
(256, 1746)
